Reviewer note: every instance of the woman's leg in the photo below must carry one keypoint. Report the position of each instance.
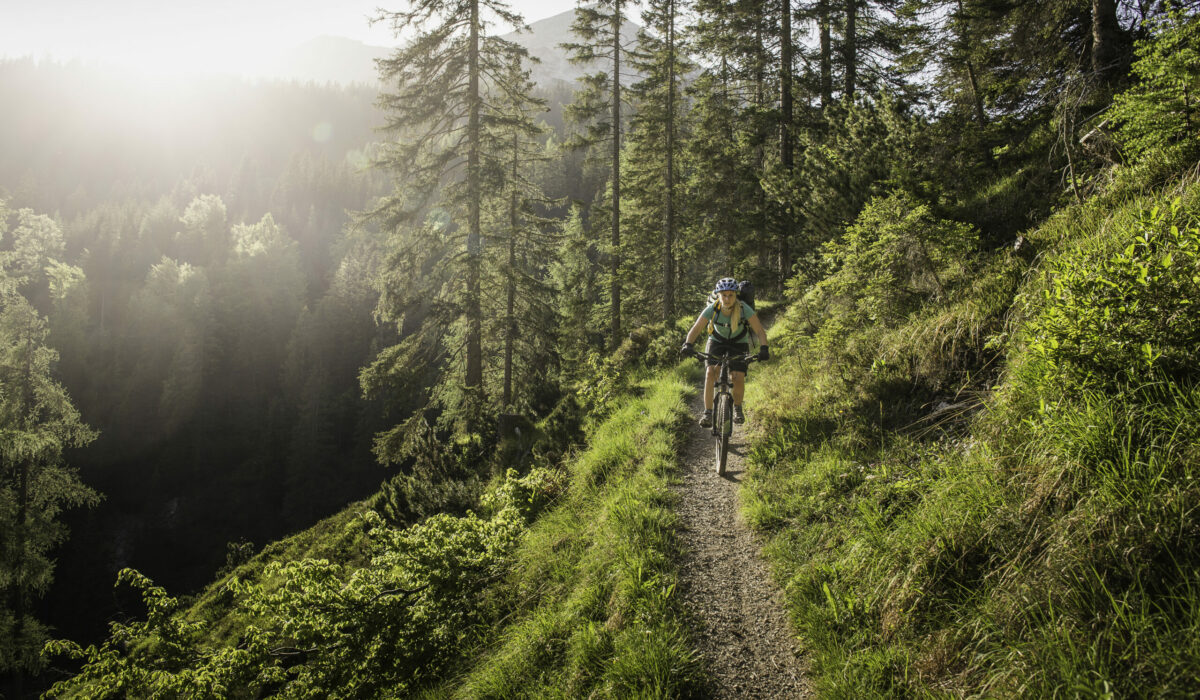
(739, 387)
(710, 382)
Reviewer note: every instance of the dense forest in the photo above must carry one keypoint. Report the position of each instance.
(431, 329)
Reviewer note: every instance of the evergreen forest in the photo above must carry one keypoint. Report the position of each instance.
(322, 390)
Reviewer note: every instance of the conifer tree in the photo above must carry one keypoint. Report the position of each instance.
(575, 278)
(599, 28)
(654, 147)
(37, 423)
(443, 102)
(870, 41)
(735, 118)
(526, 319)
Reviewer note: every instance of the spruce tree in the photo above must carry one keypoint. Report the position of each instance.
(654, 146)
(37, 423)
(526, 318)
(443, 101)
(599, 28)
(735, 118)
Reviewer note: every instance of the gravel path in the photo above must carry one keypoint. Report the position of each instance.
(737, 611)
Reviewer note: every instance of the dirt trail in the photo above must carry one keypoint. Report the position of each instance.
(737, 611)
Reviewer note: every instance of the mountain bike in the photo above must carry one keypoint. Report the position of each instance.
(722, 427)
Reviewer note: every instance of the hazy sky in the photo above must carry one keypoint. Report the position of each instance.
(165, 36)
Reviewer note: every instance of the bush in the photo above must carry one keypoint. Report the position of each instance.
(1128, 317)
(1162, 112)
(894, 259)
(529, 494)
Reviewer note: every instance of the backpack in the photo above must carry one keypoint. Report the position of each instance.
(746, 292)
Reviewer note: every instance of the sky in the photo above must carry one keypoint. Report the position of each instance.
(187, 36)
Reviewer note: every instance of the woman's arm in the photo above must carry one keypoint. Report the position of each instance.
(697, 328)
(757, 327)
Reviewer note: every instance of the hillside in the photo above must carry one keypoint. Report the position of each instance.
(949, 505)
(444, 355)
(331, 59)
(996, 496)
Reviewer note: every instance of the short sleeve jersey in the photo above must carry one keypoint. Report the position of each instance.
(721, 324)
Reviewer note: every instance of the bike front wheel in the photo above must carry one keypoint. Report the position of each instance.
(723, 425)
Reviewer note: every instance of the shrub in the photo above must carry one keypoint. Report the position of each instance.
(1163, 110)
(896, 257)
(1129, 317)
(529, 494)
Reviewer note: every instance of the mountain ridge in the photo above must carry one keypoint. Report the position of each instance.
(338, 59)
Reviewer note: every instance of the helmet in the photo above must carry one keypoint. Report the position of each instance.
(726, 284)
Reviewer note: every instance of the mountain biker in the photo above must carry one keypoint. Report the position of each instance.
(729, 321)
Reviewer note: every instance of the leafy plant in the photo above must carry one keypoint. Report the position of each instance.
(1163, 110)
(1125, 317)
(894, 258)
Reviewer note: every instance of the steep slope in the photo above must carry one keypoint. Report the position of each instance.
(994, 494)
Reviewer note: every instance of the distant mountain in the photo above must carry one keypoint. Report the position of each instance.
(543, 42)
(334, 59)
(329, 59)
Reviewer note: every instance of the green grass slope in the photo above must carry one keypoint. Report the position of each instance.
(990, 487)
(558, 582)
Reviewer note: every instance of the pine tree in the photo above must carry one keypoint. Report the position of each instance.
(599, 27)
(37, 422)
(444, 101)
(654, 147)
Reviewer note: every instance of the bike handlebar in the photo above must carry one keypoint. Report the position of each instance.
(753, 357)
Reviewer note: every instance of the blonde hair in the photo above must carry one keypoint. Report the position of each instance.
(736, 316)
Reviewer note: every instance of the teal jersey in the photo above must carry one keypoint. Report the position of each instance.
(721, 327)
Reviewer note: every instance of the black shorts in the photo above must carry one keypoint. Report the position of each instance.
(722, 347)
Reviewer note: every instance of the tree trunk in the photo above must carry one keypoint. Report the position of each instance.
(1106, 33)
(760, 99)
(669, 238)
(786, 147)
(850, 51)
(474, 377)
(826, 58)
(510, 320)
(976, 96)
(615, 260)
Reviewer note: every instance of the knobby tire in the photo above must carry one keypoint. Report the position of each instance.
(724, 430)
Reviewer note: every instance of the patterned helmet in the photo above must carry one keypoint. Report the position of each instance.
(726, 284)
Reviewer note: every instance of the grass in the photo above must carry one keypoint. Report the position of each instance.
(595, 613)
(942, 529)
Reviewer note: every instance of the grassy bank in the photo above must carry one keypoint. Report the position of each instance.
(994, 492)
(592, 580)
(559, 582)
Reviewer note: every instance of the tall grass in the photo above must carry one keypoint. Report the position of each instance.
(944, 525)
(595, 613)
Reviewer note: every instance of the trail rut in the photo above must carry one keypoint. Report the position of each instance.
(737, 612)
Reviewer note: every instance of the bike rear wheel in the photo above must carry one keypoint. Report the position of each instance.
(723, 427)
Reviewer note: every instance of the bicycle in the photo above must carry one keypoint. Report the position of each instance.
(722, 426)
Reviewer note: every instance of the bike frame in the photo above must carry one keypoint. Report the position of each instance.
(722, 427)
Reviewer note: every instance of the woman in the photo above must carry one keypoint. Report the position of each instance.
(729, 322)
